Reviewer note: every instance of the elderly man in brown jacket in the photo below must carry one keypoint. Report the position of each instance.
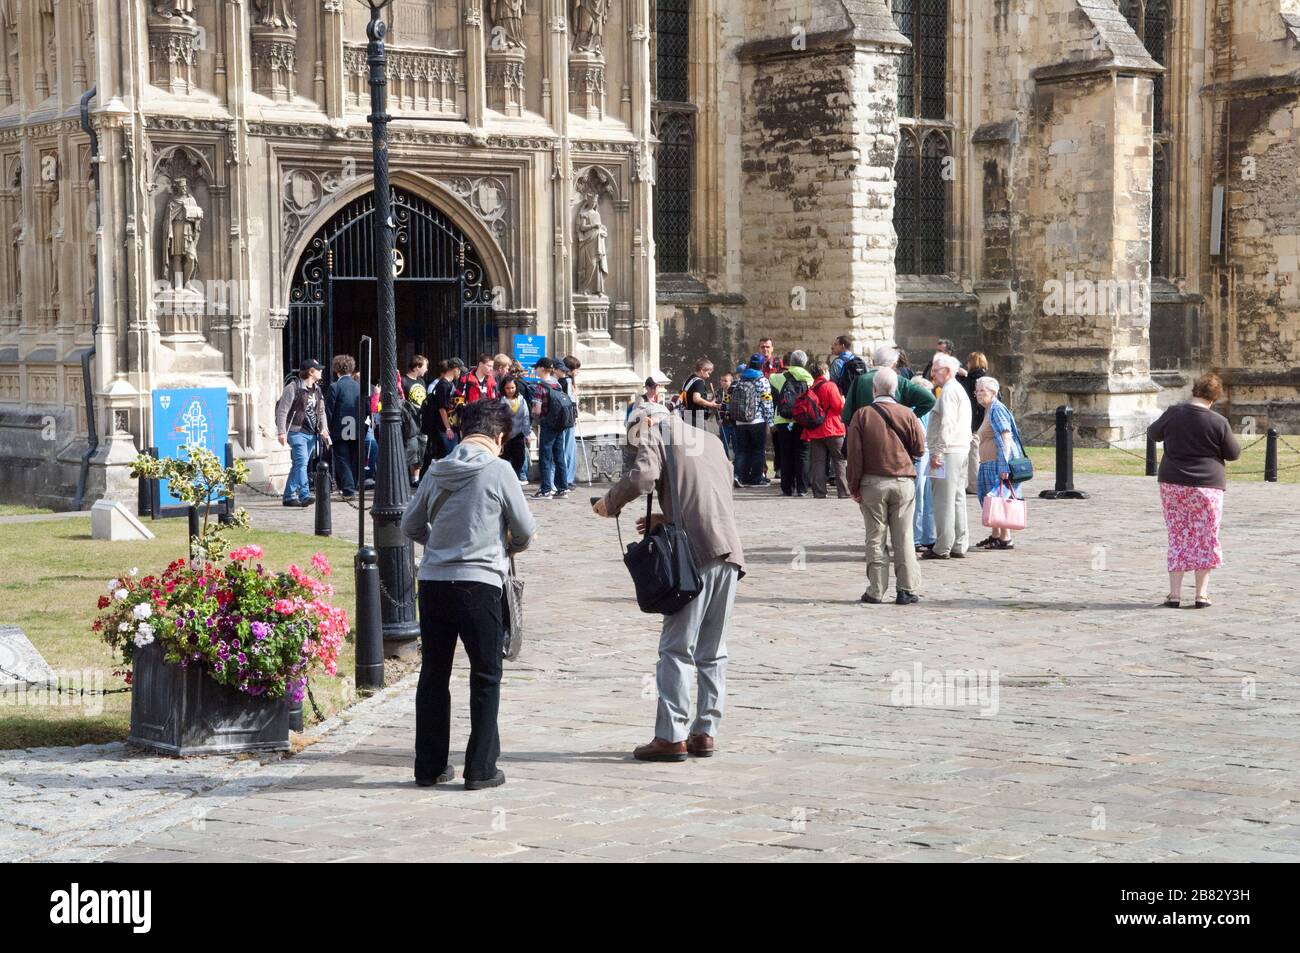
(883, 440)
(695, 635)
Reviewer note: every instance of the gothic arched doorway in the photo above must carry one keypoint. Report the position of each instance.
(443, 298)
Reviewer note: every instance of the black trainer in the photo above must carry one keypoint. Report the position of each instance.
(871, 600)
(478, 784)
(905, 598)
(448, 773)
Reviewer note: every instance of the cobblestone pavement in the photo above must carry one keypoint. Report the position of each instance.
(1118, 731)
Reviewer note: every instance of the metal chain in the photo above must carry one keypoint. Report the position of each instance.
(315, 709)
(55, 687)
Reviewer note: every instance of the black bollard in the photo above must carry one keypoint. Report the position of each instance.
(192, 518)
(369, 621)
(324, 521)
(1064, 459)
(1270, 457)
(1151, 455)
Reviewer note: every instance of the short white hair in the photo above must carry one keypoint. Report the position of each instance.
(885, 382)
(885, 356)
(646, 410)
(945, 360)
(798, 358)
(989, 384)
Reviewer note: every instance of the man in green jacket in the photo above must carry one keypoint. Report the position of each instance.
(909, 394)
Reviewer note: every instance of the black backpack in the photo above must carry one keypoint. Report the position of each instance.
(561, 411)
(849, 373)
(791, 391)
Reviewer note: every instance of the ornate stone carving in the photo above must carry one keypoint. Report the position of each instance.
(587, 84)
(505, 80)
(172, 44)
(488, 197)
(274, 51)
(302, 192)
(180, 10)
(418, 80)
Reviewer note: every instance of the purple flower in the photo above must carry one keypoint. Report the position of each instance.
(260, 630)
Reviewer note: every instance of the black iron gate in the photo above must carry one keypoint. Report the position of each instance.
(444, 306)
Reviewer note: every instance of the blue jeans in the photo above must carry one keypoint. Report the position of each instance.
(751, 453)
(372, 451)
(728, 434)
(571, 456)
(298, 486)
(923, 519)
(551, 456)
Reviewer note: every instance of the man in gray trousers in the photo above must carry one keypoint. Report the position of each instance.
(696, 635)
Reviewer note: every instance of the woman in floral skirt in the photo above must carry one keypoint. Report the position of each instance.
(1198, 443)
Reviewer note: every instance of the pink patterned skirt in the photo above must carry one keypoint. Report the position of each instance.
(1192, 514)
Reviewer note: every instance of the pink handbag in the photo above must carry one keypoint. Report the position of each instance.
(1003, 509)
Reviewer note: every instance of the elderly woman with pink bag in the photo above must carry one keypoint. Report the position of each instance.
(999, 442)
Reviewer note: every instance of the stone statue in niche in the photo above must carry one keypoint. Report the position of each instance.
(507, 25)
(17, 235)
(593, 262)
(9, 23)
(50, 41)
(589, 25)
(274, 13)
(52, 247)
(182, 10)
(184, 218)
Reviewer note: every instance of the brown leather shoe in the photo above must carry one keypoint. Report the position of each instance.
(661, 750)
(700, 745)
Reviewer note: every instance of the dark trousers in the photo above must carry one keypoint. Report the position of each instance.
(345, 464)
(516, 451)
(751, 452)
(792, 450)
(472, 611)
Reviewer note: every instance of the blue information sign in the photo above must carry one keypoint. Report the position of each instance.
(528, 348)
(186, 417)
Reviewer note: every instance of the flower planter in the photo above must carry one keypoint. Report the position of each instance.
(181, 711)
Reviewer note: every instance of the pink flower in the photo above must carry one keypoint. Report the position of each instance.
(285, 606)
(321, 564)
(246, 552)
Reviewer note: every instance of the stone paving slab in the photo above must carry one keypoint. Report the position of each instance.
(1119, 731)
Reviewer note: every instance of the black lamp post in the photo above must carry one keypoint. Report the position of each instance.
(392, 485)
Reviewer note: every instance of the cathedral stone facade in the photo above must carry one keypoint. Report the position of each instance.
(1101, 195)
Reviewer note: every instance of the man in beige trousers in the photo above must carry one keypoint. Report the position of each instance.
(883, 439)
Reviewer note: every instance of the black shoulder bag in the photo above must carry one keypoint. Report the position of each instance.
(661, 562)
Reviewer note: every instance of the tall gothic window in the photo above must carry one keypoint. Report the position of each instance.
(1150, 21)
(674, 126)
(923, 173)
(923, 70)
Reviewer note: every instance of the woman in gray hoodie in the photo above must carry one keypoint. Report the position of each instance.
(516, 450)
(470, 516)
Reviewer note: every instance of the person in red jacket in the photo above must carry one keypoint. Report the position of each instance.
(827, 441)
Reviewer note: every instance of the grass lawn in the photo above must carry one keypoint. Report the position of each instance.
(53, 575)
(1133, 462)
(16, 509)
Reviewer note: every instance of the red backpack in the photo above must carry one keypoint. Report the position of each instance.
(808, 412)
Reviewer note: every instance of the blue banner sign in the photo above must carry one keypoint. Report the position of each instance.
(188, 417)
(528, 348)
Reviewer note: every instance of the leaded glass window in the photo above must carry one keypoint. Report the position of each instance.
(1150, 21)
(923, 70)
(921, 204)
(673, 192)
(674, 126)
